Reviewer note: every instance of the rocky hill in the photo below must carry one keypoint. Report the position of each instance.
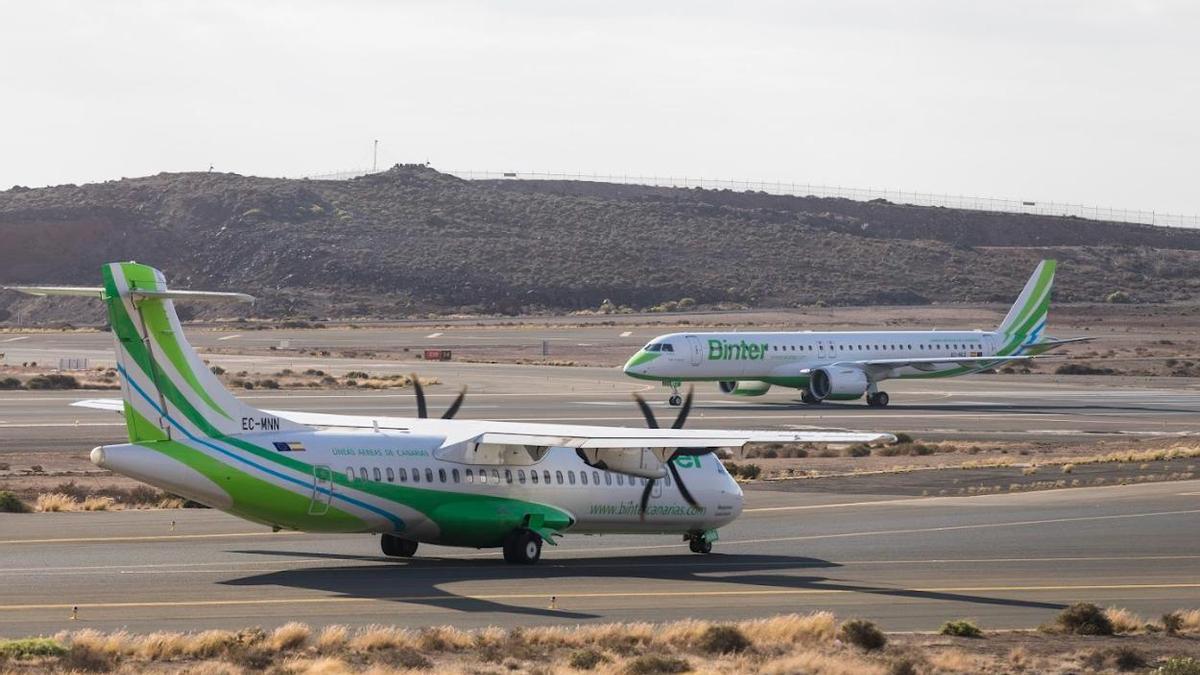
(412, 240)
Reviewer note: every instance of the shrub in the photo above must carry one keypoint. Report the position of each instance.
(586, 659)
(858, 450)
(862, 634)
(268, 384)
(1118, 298)
(247, 385)
(1084, 618)
(10, 383)
(10, 503)
(1082, 369)
(750, 471)
(52, 381)
(903, 666)
(902, 437)
(1123, 620)
(1172, 622)
(358, 375)
(723, 640)
(1127, 658)
(1178, 665)
(217, 370)
(289, 636)
(961, 628)
(56, 501)
(30, 648)
(649, 664)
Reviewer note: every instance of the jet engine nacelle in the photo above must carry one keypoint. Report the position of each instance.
(837, 383)
(744, 388)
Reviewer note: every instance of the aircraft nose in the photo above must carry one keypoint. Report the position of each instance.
(639, 363)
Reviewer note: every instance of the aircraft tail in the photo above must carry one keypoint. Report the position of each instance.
(1026, 320)
(167, 389)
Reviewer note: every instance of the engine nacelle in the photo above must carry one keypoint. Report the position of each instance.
(837, 383)
(744, 388)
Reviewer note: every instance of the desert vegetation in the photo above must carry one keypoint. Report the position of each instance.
(810, 643)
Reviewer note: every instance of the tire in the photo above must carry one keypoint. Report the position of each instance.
(396, 547)
(522, 547)
(675, 401)
(694, 544)
(881, 399)
(705, 546)
(809, 398)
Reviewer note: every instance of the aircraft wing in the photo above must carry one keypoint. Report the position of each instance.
(110, 404)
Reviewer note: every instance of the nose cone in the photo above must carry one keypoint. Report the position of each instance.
(638, 365)
(98, 457)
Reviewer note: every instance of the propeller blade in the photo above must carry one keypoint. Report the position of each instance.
(422, 411)
(651, 421)
(683, 413)
(453, 409)
(687, 496)
(646, 497)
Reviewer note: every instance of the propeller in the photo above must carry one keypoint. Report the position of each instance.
(423, 410)
(652, 422)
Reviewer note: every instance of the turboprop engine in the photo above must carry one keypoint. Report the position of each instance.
(744, 388)
(837, 383)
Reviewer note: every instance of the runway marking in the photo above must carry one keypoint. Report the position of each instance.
(229, 337)
(433, 335)
(147, 537)
(977, 526)
(541, 596)
(626, 333)
(18, 338)
(25, 425)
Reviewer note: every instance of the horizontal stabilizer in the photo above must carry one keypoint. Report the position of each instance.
(97, 292)
(108, 404)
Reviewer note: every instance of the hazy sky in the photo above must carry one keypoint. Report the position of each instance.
(1088, 101)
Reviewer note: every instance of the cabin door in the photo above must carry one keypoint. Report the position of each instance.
(696, 348)
(322, 490)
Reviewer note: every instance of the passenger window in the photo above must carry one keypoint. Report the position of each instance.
(595, 478)
(442, 475)
(508, 476)
(607, 478)
(483, 476)
(403, 474)
(376, 475)
(495, 476)
(546, 476)
(362, 472)
(521, 476)
(416, 475)
(454, 475)
(428, 475)
(620, 479)
(470, 476)
(558, 477)
(571, 477)
(350, 473)
(583, 477)
(391, 475)
(533, 477)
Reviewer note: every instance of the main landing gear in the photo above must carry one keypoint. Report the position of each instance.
(878, 399)
(808, 397)
(522, 547)
(396, 547)
(700, 542)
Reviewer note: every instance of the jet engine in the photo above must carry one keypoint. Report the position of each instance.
(744, 388)
(837, 383)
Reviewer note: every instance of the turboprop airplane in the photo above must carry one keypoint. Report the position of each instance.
(442, 481)
(843, 366)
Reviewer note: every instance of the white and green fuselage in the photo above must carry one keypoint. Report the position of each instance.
(456, 482)
(844, 365)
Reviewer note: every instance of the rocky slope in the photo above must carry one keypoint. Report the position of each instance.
(412, 240)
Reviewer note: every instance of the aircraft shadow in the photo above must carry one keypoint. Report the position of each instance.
(420, 580)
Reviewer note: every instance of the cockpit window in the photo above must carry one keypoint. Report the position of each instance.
(653, 347)
(666, 347)
(659, 347)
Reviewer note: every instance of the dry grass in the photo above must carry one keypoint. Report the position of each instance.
(55, 502)
(825, 663)
(954, 661)
(98, 504)
(289, 637)
(332, 639)
(1189, 620)
(1124, 621)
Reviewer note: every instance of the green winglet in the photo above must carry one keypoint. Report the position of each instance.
(536, 522)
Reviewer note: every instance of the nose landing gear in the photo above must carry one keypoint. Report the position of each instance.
(701, 542)
(522, 547)
(676, 400)
(396, 547)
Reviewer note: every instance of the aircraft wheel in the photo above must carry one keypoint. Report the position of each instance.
(878, 399)
(522, 547)
(675, 401)
(809, 398)
(698, 544)
(396, 547)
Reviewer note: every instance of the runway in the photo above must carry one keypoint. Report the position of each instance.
(983, 407)
(1008, 561)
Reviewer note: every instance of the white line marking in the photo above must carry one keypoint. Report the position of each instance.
(433, 335)
(230, 337)
(19, 337)
(626, 333)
